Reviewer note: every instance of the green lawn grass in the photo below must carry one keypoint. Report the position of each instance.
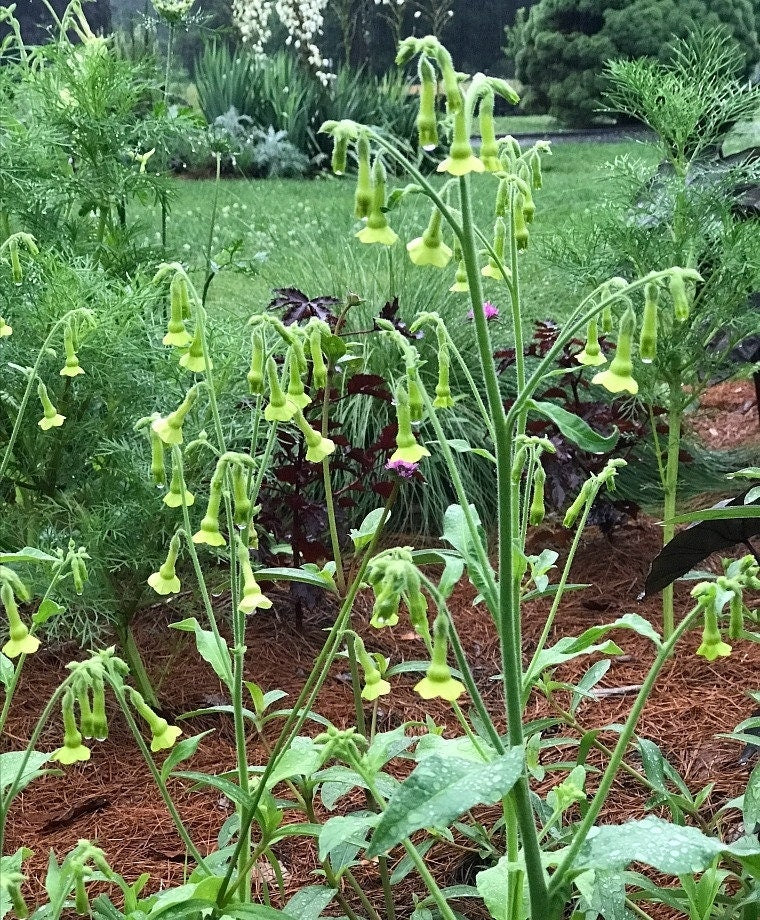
(301, 233)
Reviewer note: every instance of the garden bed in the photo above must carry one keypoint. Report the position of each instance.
(112, 799)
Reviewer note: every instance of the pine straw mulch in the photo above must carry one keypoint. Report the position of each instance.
(113, 801)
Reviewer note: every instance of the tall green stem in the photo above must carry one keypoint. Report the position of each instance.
(168, 72)
(671, 494)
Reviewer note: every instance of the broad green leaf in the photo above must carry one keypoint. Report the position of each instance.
(494, 886)
(352, 828)
(229, 789)
(461, 748)
(453, 567)
(575, 429)
(13, 862)
(256, 912)
(751, 803)
(406, 865)
(182, 751)
(47, 609)
(565, 650)
(440, 790)
(309, 902)
(387, 745)
(302, 758)
(216, 653)
(367, 529)
(28, 555)
(321, 579)
(603, 893)
(456, 532)
(728, 513)
(6, 670)
(339, 781)
(463, 447)
(589, 680)
(10, 767)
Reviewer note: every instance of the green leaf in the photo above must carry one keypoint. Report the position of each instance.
(302, 758)
(453, 567)
(321, 579)
(367, 529)
(575, 429)
(28, 555)
(182, 751)
(728, 513)
(464, 447)
(751, 804)
(6, 670)
(589, 680)
(10, 766)
(216, 653)
(309, 902)
(47, 609)
(349, 829)
(604, 894)
(441, 789)
(456, 532)
(493, 885)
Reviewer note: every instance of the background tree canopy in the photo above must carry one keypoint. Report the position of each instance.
(560, 46)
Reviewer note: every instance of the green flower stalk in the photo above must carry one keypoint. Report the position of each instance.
(619, 377)
(429, 249)
(591, 356)
(169, 429)
(461, 159)
(209, 532)
(492, 270)
(572, 513)
(179, 308)
(537, 510)
(318, 448)
(427, 124)
(5, 329)
(648, 337)
(279, 408)
(318, 366)
(243, 506)
(165, 580)
(99, 717)
(443, 398)
(374, 684)
(51, 417)
(178, 489)
(71, 367)
(296, 393)
(377, 229)
(679, 296)
(252, 598)
(255, 375)
(72, 750)
(157, 465)
(489, 148)
(438, 682)
(363, 196)
(407, 448)
(194, 359)
(20, 642)
(163, 734)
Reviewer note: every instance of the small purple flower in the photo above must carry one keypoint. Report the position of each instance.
(490, 311)
(402, 468)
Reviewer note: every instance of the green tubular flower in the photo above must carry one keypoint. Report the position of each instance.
(385, 609)
(99, 717)
(86, 721)
(407, 448)
(179, 301)
(242, 503)
(736, 612)
(461, 159)
(377, 229)
(492, 270)
(318, 367)
(374, 684)
(194, 359)
(502, 198)
(528, 205)
(648, 337)
(165, 580)
(712, 645)
(79, 570)
(164, 735)
(71, 368)
(5, 329)
(438, 682)
(619, 377)
(51, 417)
(451, 89)
(591, 356)
(429, 249)
(340, 152)
(317, 447)
(81, 899)
(679, 296)
(296, 393)
(522, 234)
(535, 169)
(157, 465)
(489, 149)
(460, 285)
(571, 515)
(20, 642)
(72, 750)
(443, 398)
(363, 196)
(279, 408)
(209, 532)
(255, 375)
(427, 124)
(12, 882)
(416, 402)
(21, 591)
(537, 510)
(416, 605)
(169, 429)
(608, 323)
(177, 488)
(253, 598)
(16, 272)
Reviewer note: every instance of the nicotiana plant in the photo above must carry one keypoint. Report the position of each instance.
(547, 854)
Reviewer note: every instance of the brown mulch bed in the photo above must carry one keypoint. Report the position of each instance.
(113, 801)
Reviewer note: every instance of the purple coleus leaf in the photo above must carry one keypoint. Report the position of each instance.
(300, 307)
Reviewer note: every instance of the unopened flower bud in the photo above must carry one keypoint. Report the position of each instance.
(648, 337)
(319, 369)
(679, 296)
(489, 149)
(243, 505)
(157, 465)
(537, 506)
(443, 398)
(255, 376)
(416, 402)
(494, 268)
(363, 196)
(427, 126)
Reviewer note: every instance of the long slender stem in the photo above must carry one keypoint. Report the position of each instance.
(340, 578)
(169, 48)
(671, 494)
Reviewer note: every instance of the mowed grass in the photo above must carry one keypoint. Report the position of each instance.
(297, 233)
